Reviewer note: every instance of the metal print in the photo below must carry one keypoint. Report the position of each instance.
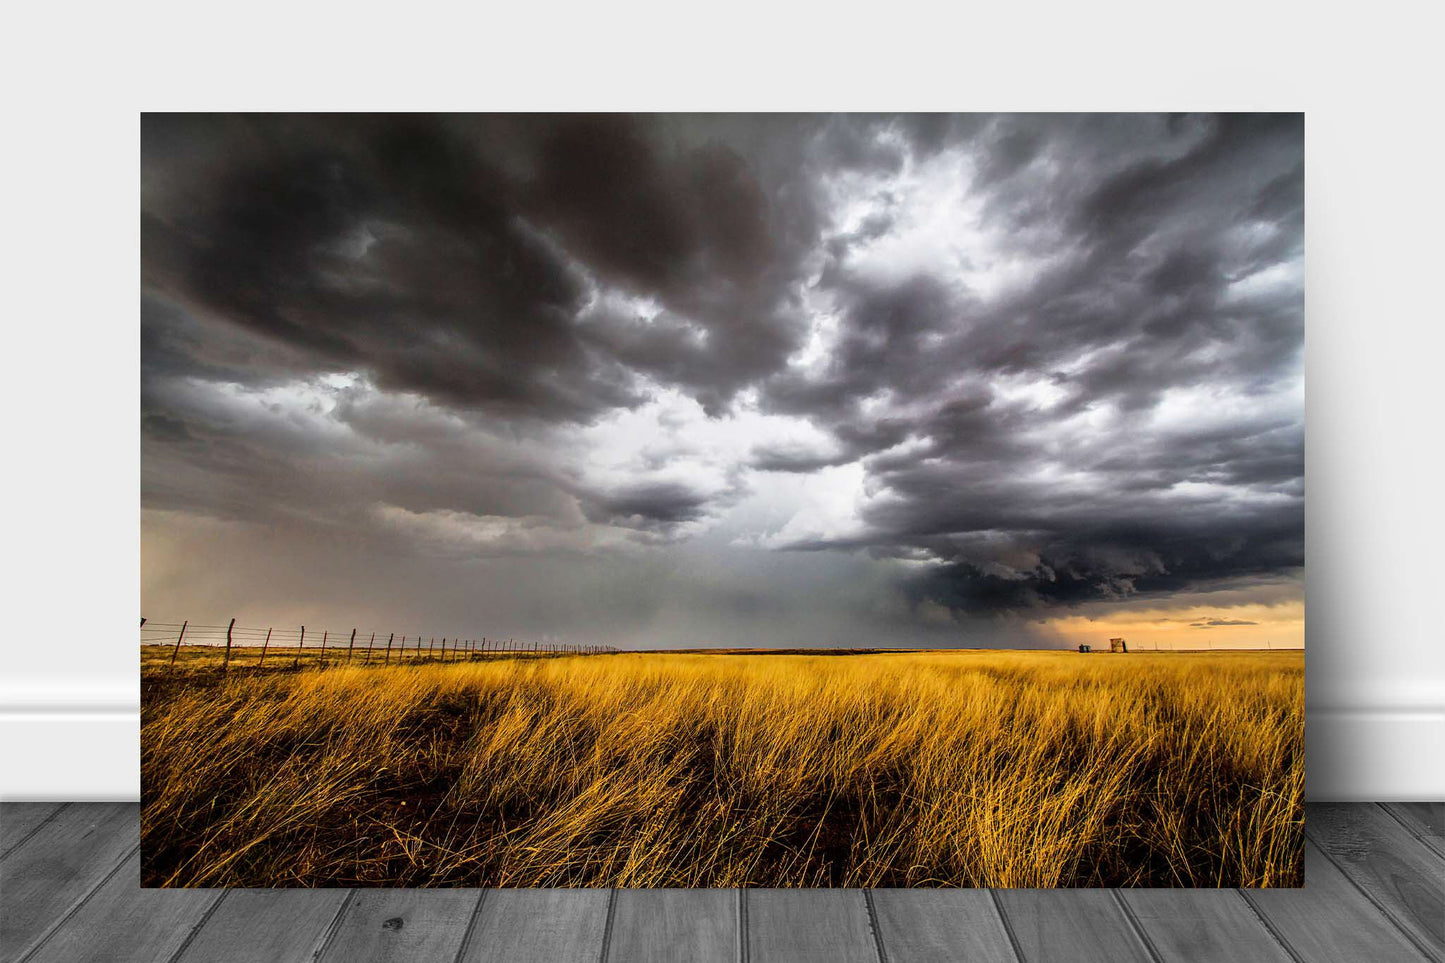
(722, 500)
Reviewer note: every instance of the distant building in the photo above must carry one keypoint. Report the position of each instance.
(1117, 645)
(1084, 648)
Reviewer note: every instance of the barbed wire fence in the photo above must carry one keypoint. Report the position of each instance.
(293, 646)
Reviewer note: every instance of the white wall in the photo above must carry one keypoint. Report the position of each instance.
(1375, 650)
(1375, 658)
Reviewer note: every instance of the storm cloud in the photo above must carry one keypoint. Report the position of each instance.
(1010, 364)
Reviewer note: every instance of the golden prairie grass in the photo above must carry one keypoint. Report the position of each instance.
(956, 768)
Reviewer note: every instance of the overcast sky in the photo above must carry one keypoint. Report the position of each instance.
(754, 380)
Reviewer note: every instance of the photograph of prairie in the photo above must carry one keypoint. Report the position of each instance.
(720, 500)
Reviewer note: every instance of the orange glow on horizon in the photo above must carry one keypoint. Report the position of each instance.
(1197, 627)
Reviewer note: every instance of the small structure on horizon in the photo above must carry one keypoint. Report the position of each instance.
(1085, 647)
(1117, 645)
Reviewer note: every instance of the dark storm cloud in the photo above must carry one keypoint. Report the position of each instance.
(1079, 391)
(648, 506)
(1141, 260)
(390, 246)
(461, 257)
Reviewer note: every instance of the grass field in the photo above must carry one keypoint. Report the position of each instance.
(952, 768)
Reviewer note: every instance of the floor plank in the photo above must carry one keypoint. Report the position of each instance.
(122, 923)
(19, 819)
(1202, 925)
(402, 925)
(941, 926)
(808, 926)
(66, 859)
(1397, 870)
(1329, 921)
(1082, 925)
(265, 925)
(1425, 819)
(663, 925)
(539, 926)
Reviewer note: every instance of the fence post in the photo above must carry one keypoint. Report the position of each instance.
(324, 634)
(432, 646)
(349, 646)
(227, 664)
(388, 646)
(177, 650)
(264, 646)
(368, 649)
(296, 664)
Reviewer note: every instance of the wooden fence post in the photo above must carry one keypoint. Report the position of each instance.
(264, 645)
(324, 634)
(432, 646)
(177, 650)
(349, 646)
(388, 646)
(368, 649)
(296, 664)
(227, 664)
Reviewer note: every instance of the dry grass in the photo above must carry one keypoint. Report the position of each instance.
(1016, 769)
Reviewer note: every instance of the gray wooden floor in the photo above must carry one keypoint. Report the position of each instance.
(69, 891)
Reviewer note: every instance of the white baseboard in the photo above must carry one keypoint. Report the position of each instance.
(1362, 754)
(85, 753)
(70, 754)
